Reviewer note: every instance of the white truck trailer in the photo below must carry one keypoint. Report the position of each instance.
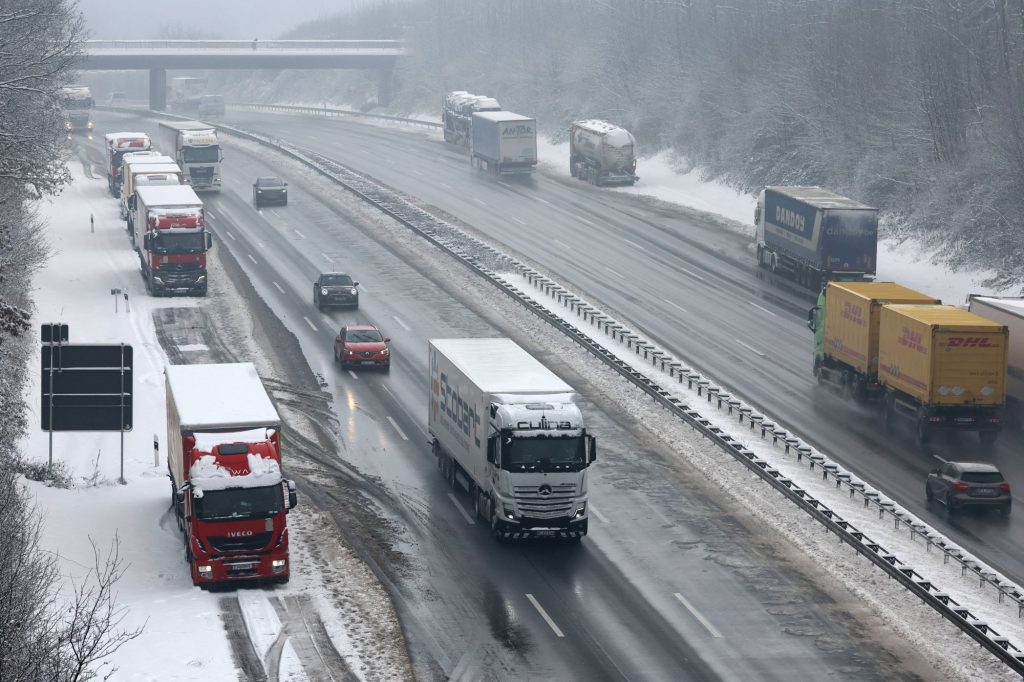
(194, 146)
(503, 143)
(1008, 311)
(187, 92)
(131, 166)
(508, 430)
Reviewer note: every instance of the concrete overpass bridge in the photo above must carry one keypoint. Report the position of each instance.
(157, 56)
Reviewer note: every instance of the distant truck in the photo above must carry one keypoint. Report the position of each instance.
(131, 166)
(509, 431)
(116, 145)
(194, 146)
(457, 109)
(1010, 312)
(171, 239)
(503, 143)
(814, 235)
(186, 93)
(211, 106)
(224, 460)
(940, 366)
(602, 153)
(78, 104)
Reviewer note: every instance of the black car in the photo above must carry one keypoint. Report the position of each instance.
(968, 484)
(335, 289)
(269, 191)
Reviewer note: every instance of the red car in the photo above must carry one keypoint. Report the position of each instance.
(362, 345)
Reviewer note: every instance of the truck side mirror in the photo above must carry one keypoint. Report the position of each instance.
(492, 450)
(591, 449)
(293, 495)
(812, 319)
(209, 240)
(147, 241)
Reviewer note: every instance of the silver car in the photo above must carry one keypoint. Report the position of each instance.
(969, 484)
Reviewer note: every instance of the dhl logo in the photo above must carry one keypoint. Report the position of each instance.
(970, 342)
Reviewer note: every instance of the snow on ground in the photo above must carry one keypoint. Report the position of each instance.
(74, 288)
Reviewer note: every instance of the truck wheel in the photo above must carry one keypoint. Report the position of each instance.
(988, 437)
(924, 431)
(889, 412)
(950, 508)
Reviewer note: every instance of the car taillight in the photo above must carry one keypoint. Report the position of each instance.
(993, 420)
(934, 419)
(961, 486)
(1005, 487)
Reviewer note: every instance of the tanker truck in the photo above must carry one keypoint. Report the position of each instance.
(602, 153)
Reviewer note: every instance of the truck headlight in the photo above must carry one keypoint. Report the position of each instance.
(581, 512)
(157, 280)
(323, 292)
(509, 512)
(278, 565)
(200, 279)
(89, 125)
(205, 571)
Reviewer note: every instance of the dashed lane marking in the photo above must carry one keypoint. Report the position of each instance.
(598, 515)
(699, 616)
(445, 185)
(692, 274)
(751, 348)
(278, 286)
(762, 308)
(252, 259)
(543, 201)
(544, 615)
(674, 305)
(521, 222)
(326, 257)
(561, 243)
(311, 325)
(229, 234)
(209, 214)
(465, 514)
(299, 234)
(397, 428)
(403, 325)
(617, 274)
(480, 201)
(353, 374)
(584, 220)
(635, 245)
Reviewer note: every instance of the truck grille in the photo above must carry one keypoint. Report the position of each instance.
(247, 543)
(535, 504)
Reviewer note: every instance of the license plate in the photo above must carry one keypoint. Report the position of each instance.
(965, 420)
(985, 491)
(369, 362)
(243, 567)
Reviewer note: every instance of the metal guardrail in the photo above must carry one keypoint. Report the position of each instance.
(488, 262)
(244, 45)
(328, 112)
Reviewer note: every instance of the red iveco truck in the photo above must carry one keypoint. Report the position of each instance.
(224, 459)
(116, 146)
(171, 239)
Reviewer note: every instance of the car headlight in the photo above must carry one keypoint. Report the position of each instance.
(259, 191)
(89, 126)
(353, 291)
(385, 352)
(323, 292)
(284, 191)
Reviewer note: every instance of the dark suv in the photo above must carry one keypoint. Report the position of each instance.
(335, 289)
(269, 192)
(968, 484)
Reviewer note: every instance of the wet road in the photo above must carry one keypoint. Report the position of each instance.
(673, 582)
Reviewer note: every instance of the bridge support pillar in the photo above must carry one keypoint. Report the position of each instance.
(385, 86)
(158, 89)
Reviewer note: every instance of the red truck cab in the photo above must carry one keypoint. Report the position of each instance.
(116, 146)
(171, 238)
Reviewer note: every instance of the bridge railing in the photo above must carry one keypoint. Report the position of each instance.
(242, 45)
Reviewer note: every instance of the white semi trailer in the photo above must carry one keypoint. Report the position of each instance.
(1009, 311)
(508, 430)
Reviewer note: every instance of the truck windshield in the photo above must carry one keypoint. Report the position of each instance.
(239, 503)
(189, 242)
(202, 154)
(543, 454)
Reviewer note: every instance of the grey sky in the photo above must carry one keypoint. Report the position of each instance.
(137, 19)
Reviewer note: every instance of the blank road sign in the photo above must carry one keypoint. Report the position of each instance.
(91, 387)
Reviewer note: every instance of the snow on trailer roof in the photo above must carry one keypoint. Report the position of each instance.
(187, 125)
(500, 366)
(821, 198)
(157, 168)
(168, 195)
(220, 397)
(501, 116)
(143, 158)
(1011, 305)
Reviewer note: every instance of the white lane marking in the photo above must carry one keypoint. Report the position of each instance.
(692, 274)
(543, 201)
(326, 257)
(560, 243)
(544, 615)
(751, 348)
(364, 288)
(939, 458)
(613, 272)
(518, 220)
(465, 514)
(480, 201)
(416, 172)
(311, 325)
(505, 185)
(299, 234)
(401, 324)
(278, 286)
(699, 616)
(584, 220)
(209, 214)
(635, 245)
(353, 374)
(259, 243)
(445, 185)
(674, 305)
(398, 428)
(762, 308)
(598, 515)
(252, 259)
(229, 234)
